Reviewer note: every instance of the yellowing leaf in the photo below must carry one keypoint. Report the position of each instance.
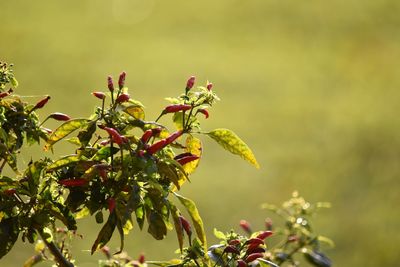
(194, 146)
(135, 111)
(196, 219)
(63, 162)
(231, 142)
(63, 130)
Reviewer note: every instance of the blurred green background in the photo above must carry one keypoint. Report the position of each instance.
(312, 86)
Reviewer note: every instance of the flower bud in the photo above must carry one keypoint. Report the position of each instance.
(190, 83)
(121, 80)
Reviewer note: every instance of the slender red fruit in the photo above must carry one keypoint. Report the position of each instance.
(156, 146)
(209, 86)
(42, 102)
(146, 136)
(252, 250)
(245, 226)
(204, 111)
(99, 95)
(10, 191)
(110, 84)
(111, 204)
(173, 137)
(185, 225)
(115, 136)
(187, 159)
(4, 94)
(255, 241)
(121, 80)
(156, 131)
(59, 116)
(254, 256)
(241, 263)
(180, 156)
(231, 249)
(73, 182)
(122, 98)
(176, 108)
(190, 83)
(264, 235)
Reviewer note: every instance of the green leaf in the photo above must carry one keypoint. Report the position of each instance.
(157, 227)
(196, 219)
(231, 142)
(86, 134)
(178, 121)
(63, 130)
(64, 161)
(8, 235)
(105, 233)
(168, 171)
(104, 153)
(177, 223)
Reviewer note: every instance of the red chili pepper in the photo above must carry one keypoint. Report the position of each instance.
(173, 137)
(185, 225)
(42, 102)
(264, 235)
(209, 86)
(10, 191)
(252, 250)
(99, 95)
(156, 131)
(187, 159)
(73, 182)
(146, 136)
(111, 204)
(156, 146)
(121, 80)
(255, 241)
(234, 242)
(140, 153)
(241, 263)
(231, 249)
(176, 108)
(115, 136)
(180, 156)
(141, 258)
(110, 84)
(245, 226)
(204, 111)
(254, 256)
(190, 83)
(59, 116)
(4, 94)
(122, 98)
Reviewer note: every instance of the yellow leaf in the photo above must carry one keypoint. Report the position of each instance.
(63, 130)
(194, 146)
(231, 142)
(135, 111)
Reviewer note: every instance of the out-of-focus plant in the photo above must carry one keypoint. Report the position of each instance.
(123, 169)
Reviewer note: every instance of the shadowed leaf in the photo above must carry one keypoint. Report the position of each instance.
(63, 130)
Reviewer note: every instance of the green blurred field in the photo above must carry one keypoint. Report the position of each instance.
(312, 86)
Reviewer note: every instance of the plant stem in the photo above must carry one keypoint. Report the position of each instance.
(58, 256)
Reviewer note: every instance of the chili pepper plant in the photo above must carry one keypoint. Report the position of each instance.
(125, 169)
